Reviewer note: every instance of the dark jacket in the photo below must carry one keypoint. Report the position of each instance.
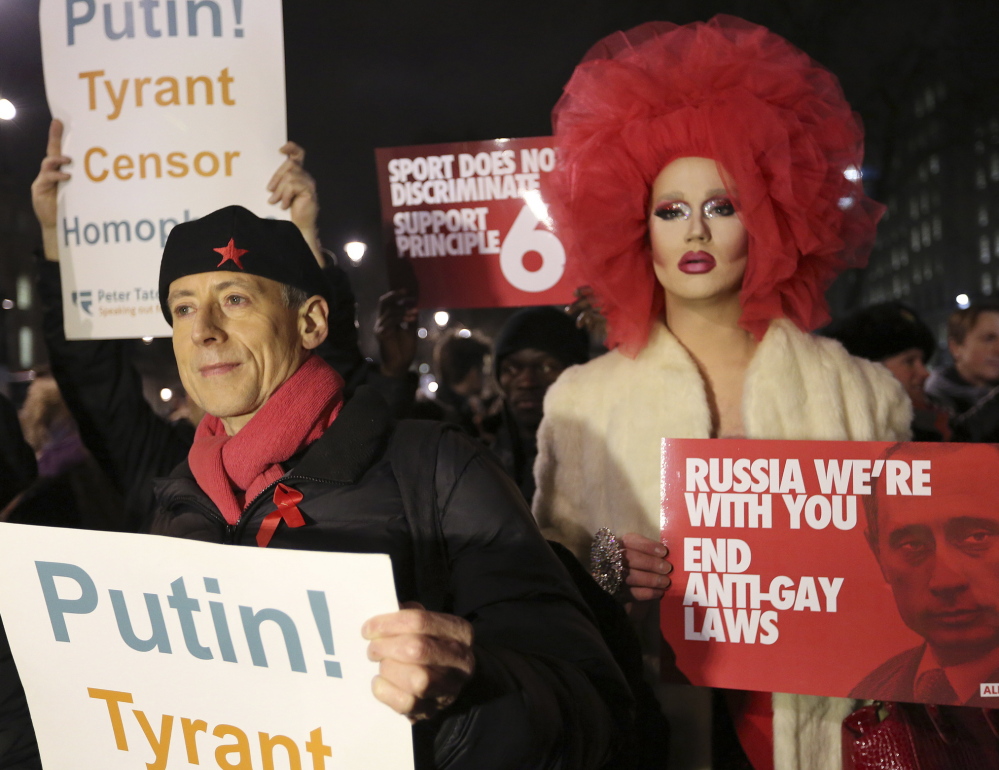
(17, 460)
(948, 389)
(514, 453)
(546, 692)
(18, 749)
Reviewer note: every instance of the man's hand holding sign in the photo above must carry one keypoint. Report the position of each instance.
(425, 659)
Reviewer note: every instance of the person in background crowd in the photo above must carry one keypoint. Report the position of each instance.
(18, 467)
(460, 363)
(893, 334)
(532, 349)
(71, 490)
(104, 391)
(969, 388)
(700, 191)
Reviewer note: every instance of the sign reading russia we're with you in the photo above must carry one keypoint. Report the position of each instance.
(172, 109)
(834, 568)
(469, 224)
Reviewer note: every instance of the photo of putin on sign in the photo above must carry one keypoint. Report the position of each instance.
(939, 553)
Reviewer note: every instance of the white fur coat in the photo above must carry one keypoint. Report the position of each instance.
(598, 459)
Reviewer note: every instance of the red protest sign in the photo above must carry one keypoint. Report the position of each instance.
(467, 223)
(858, 569)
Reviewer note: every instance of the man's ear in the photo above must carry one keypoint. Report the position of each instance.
(313, 324)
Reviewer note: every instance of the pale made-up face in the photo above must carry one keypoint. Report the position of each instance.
(942, 562)
(909, 368)
(236, 341)
(699, 244)
(977, 357)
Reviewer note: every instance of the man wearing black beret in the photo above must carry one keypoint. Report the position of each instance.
(508, 672)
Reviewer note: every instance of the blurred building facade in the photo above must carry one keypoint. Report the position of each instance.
(939, 238)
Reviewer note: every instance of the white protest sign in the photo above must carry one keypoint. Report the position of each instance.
(172, 110)
(143, 651)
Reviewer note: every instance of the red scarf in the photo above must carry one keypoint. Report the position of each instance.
(232, 470)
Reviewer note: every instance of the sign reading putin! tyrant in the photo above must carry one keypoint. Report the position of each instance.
(158, 652)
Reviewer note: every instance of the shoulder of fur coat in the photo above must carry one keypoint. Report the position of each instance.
(599, 442)
(801, 386)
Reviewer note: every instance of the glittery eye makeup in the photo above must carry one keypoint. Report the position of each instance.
(718, 207)
(680, 210)
(671, 210)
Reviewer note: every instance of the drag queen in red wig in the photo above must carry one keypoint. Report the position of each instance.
(708, 190)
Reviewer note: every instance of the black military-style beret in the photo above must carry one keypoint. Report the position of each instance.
(234, 239)
(881, 331)
(542, 328)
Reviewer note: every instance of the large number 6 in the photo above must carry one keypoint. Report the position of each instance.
(524, 238)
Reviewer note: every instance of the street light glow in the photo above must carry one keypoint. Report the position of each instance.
(166, 394)
(441, 318)
(355, 250)
(7, 110)
(962, 301)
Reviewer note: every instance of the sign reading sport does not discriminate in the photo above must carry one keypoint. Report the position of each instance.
(468, 223)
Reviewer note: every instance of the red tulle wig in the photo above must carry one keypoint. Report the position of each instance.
(786, 141)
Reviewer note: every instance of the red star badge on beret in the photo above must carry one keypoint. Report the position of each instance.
(230, 252)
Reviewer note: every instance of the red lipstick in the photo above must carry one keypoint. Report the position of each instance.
(694, 262)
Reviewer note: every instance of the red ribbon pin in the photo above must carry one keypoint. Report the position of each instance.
(286, 499)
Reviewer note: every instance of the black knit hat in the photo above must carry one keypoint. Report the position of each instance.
(542, 328)
(236, 240)
(881, 331)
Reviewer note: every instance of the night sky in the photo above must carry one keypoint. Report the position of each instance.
(369, 73)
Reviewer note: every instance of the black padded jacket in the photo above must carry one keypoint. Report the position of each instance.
(546, 692)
